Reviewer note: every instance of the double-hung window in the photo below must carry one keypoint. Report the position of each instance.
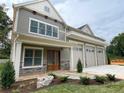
(42, 28)
(34, 26)
(49, 30)
(55, 32)
(33, 57)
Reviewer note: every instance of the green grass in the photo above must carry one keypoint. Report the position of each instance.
(117, 87)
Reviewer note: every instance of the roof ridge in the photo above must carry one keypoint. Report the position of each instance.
(27, 3)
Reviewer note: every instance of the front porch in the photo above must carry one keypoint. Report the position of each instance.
(41, 59)
(40, 55)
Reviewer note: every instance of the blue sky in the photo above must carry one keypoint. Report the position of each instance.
(105, 17)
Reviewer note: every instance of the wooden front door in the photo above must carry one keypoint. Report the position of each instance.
(53, 60)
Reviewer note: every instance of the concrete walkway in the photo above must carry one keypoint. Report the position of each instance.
(106, 69)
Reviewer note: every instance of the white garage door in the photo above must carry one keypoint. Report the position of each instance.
(77, 54)
(100, 56)
(90, 56)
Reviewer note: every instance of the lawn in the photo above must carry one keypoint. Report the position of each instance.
(117, 87)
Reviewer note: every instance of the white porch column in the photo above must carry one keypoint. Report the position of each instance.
(18, 46)
(84, 56)
(104, 54)
(96, 55)
(71, 59)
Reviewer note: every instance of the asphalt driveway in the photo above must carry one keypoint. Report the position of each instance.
(106, 69)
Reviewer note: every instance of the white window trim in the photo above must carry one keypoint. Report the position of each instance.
(45, 29)
(28, 47)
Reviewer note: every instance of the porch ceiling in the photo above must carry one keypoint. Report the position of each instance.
(31, 39)
(84, 38)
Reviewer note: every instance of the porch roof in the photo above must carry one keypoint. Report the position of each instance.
(84, 38)
(32, 39)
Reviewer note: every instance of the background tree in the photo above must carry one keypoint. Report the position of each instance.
(116, 47)
(5, 28)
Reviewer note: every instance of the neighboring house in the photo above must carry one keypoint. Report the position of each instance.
(42, 41)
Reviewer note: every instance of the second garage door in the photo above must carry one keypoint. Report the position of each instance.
(90, 56)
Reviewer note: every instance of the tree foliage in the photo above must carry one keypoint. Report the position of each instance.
(116, 46)
(5, 27)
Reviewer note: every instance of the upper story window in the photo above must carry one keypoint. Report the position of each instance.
(49, 30)
(34, 26)
(47, 9)
(55, 32)
(42, 28)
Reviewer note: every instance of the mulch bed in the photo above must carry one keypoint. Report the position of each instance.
(32, 87)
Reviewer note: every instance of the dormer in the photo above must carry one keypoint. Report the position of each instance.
(86, 29)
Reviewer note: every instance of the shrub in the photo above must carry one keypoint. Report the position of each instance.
(63, 79)
(51, 74)
(79, 66)
(100, 79)
(85, 80)
(111, 77)
(7, 75)
(108, 59)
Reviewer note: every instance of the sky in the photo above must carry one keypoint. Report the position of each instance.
(105, 17)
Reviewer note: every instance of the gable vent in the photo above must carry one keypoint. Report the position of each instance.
(34, 12)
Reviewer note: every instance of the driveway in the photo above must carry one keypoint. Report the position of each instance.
(106, 69)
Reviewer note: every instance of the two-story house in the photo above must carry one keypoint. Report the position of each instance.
(42, 41)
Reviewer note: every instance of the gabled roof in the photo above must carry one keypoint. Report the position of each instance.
(86, 29)
(29, 3)
(81, 32)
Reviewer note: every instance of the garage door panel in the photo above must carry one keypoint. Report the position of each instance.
(100, 56)
(77, 54)
(90, 56)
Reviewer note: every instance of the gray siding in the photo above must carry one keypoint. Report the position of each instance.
(23, 22)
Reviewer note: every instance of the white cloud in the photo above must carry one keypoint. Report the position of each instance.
(105, 17)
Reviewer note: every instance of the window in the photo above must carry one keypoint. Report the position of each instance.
(37, 57)
(33, 57)
(28, 57)
(34, 26)
(41, 28)
(49, 30)
(55, 32)
(47, 9)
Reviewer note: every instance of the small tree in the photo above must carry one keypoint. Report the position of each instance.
(7, 75)
(79, 66)
(109, 62)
